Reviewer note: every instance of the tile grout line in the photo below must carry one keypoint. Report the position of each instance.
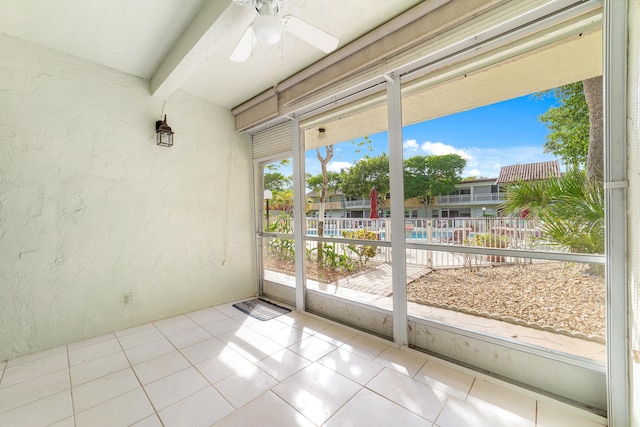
(252, 364)
(4, 368)
(435, 421)
(192, 366)
(73, 405)
(21, 366)
(396, 403)
(36, 400)
(345, 403)
(108, 400)
(473, 383)
(207, 379)
(155, 411)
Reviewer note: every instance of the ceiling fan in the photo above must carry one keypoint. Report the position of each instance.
(267, 28)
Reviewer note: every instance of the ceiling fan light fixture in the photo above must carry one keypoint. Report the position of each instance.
(267, 29)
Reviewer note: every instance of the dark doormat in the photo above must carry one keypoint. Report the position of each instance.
(261, 309)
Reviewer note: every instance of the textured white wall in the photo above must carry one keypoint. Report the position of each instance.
(92, 209)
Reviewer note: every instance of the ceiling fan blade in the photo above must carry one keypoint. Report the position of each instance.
(244, 48)
(312, 35)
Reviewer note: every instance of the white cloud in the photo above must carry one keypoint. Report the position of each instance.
(487, 161)
(338, 166)
(410, 145)
(439, 149)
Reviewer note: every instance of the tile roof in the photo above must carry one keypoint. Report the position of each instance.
(529, 172)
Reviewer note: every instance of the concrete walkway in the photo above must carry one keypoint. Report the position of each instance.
(378, 281)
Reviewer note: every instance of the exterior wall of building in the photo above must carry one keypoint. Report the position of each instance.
(475, 196)
(100, 228)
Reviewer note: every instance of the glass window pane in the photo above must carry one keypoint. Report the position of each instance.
(348, 197)
(501, 178)
(278, 254)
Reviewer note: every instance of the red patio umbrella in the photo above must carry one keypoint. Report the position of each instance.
(373, 201)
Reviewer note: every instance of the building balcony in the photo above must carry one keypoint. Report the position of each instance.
(462, 199)
(336, 205)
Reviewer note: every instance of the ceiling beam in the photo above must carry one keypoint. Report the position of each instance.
(213, 23)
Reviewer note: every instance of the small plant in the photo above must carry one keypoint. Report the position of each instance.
(488, 240)
(470, 262)
(282, 248)
(331, 257)
(282, 224)
(363, 252)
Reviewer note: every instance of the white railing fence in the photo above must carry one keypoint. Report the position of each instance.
(491, 232)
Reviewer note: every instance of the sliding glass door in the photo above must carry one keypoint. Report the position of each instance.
(442, 212)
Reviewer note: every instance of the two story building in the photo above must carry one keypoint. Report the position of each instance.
(472, 198)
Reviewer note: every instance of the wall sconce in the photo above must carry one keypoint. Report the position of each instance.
(164, 133)
(322, 133)
(267, 196)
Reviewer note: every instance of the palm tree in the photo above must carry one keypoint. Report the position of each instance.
(283, 200)
(571, 209)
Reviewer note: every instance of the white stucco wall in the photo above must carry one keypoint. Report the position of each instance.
(92, 209)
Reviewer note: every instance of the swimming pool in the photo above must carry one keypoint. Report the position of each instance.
(440, 234)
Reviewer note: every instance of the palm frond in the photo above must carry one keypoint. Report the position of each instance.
(571, 209)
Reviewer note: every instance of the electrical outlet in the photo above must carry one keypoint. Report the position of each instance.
(128, 298)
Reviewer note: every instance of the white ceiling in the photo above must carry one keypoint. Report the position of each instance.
(190, 39)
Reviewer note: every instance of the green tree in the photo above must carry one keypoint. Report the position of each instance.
(360, 144)
(426, 177)
(283, 200)
(568, 125)
(366, 173)
(571, 209)
(576, 126)
(275, 181)
(274, 167)
(314, 182)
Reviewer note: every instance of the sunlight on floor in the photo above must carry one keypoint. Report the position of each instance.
(221, 367)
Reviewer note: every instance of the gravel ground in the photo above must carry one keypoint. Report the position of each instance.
(560, 296)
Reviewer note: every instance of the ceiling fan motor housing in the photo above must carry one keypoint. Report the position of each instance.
(267, 26)
(267, 7)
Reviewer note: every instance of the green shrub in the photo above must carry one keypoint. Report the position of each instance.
(364, 252)
(331, 257)
(488, 240)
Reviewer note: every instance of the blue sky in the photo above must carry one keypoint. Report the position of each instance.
(489, 137)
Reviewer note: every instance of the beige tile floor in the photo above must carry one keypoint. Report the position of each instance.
(220, 367)
(541, 338)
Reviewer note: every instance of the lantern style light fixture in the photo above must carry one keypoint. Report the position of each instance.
(268, 195)
(164, 133)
